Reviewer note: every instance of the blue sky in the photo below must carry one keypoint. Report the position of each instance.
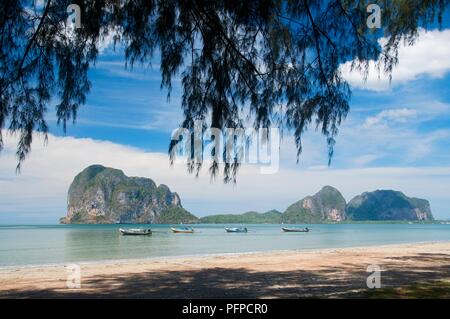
(129, 107)
(397, 135)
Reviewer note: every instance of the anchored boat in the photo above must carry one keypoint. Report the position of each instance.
(236, 229)
(184, 230)
(135, 231)
(295, 229)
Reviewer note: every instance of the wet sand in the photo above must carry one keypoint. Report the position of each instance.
(328, 273)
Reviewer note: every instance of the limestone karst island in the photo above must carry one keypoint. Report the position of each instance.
(103, 195)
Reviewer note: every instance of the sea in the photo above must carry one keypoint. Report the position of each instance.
(29, 245)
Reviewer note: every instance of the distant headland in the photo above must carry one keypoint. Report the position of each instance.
(102, 195)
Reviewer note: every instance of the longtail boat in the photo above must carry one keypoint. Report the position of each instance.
(184, 230)
(236, 229)
(295, 230)
(135, 231)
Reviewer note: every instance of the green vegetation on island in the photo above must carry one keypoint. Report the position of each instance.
(105, 195)
(176, 215)
(388, 205)
(270, 217)
(100, 195)
(326, 205)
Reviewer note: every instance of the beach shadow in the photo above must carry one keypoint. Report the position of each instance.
(343, 281)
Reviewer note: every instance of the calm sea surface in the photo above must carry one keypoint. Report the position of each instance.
(54, 244)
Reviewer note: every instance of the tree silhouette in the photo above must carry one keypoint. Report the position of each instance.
(265, 62)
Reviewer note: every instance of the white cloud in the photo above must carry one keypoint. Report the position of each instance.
(106, 42)
(39, 193)
(391, 142)
(162, 120)
(428, 56)
(390, 116)
(121, 70)
(363, 160)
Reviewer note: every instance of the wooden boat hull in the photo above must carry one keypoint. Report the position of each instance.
(294, 230)
(182, 231)
(236, 230)
(135, 232)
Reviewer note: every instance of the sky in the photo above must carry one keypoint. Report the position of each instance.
(396, 136)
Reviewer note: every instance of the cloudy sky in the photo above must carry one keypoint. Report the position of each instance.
(397, 136)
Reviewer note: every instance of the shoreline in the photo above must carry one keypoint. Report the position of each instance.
(329, 272)
(207, 255)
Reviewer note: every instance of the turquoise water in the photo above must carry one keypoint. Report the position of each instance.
(54, 244)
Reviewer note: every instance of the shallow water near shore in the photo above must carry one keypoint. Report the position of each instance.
(53, 244)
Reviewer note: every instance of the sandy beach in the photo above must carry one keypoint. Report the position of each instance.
(328, 273)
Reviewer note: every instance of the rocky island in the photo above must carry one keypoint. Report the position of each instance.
(102, 195)
(106, 195)
(388, 205)
(328, 205)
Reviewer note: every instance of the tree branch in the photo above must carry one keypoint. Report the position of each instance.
(33, 39)
(317, 45)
